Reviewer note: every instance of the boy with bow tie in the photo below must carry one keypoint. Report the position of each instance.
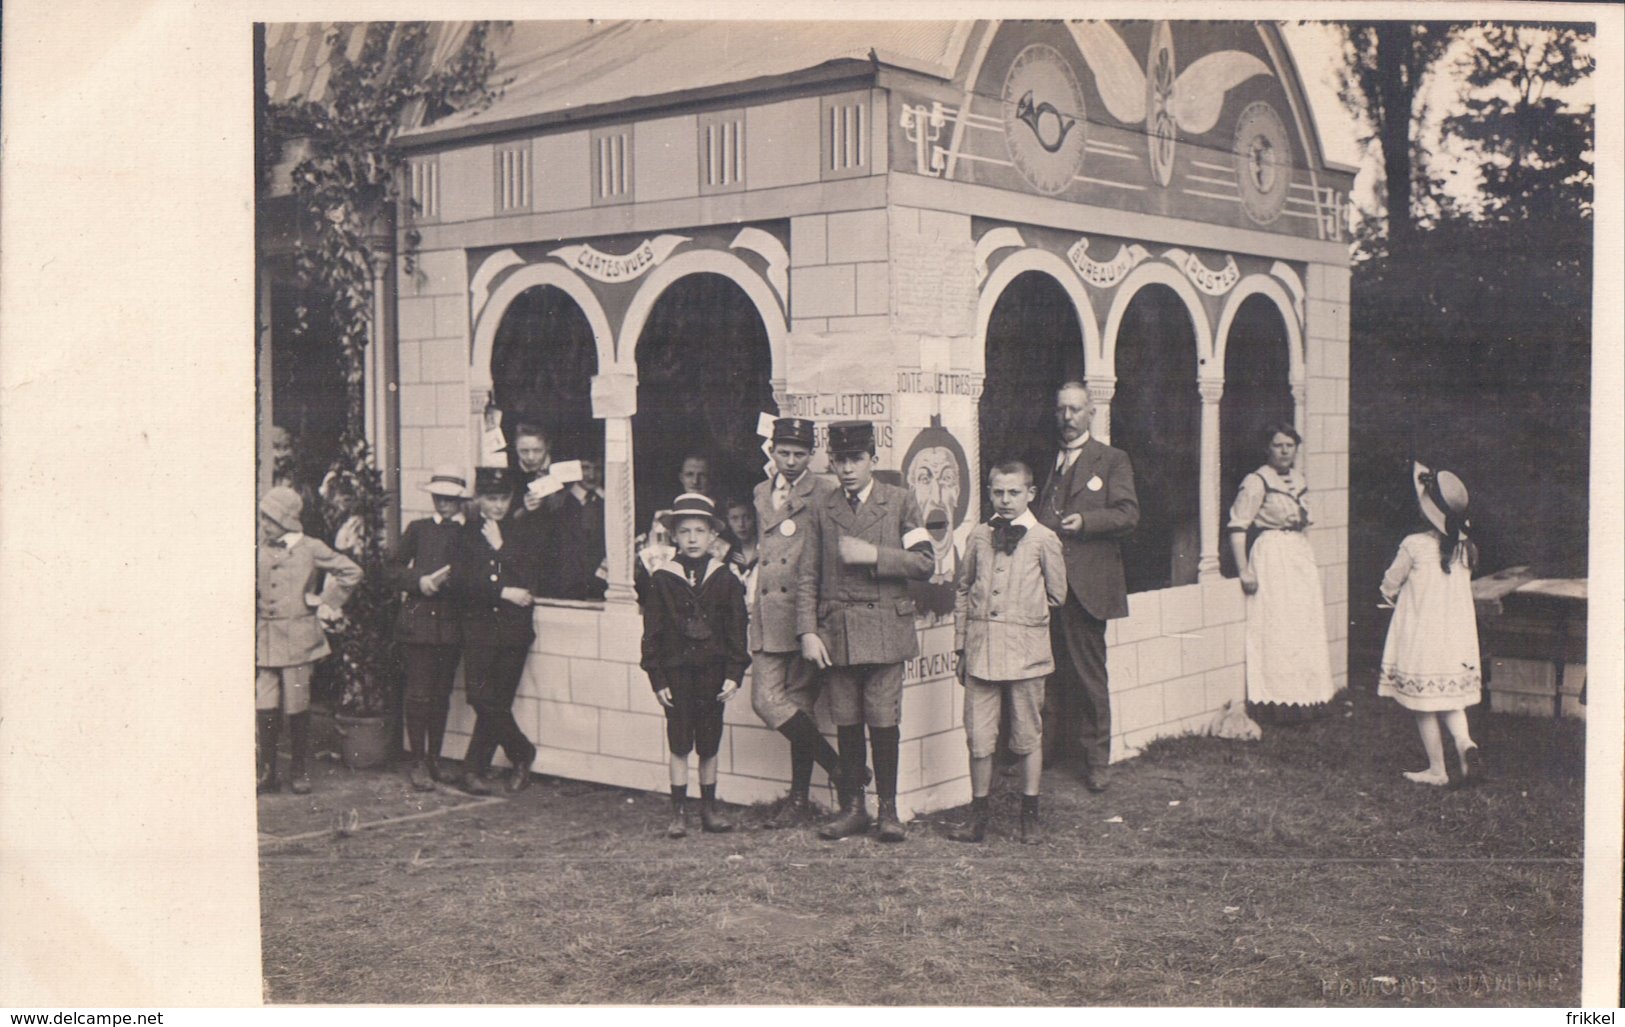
(1012, 573)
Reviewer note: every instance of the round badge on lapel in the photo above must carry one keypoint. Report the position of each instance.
(787, 528)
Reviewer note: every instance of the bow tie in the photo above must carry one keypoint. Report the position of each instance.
(278, 544)
(1006, 535)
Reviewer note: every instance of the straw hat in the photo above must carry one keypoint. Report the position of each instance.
(691, 504)
(448, 480)
(1441, 495)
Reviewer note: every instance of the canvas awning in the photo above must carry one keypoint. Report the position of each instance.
(559, 69)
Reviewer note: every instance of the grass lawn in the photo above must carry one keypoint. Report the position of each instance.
(1300, 870)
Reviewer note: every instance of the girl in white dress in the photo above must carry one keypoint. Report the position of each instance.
(1430, 663)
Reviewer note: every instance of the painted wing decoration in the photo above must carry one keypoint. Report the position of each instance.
(1200, 90)
(1118, 75)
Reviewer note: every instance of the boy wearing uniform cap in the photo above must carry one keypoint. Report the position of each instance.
(288, 633)
(427, 627)
(855, 618)
(693, 650)
(784, 686)
(496, 567)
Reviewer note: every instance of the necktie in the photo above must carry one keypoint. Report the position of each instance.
(854, 501)
(1006, 535)
(781, 492)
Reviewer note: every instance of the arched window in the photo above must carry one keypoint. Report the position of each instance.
(1034, 343)
(704, 374)
(543, 358)
(1257, 391)
(542, 363)
(1156, 420)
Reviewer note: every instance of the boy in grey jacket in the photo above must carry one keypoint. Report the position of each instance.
(1012, 573)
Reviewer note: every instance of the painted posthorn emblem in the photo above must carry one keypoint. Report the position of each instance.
(1044, 119)
(1049, 125)
(1263, 158)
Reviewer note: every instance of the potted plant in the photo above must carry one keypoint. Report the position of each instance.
(353, 499)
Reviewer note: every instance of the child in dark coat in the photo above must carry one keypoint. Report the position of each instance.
(428, 628)
(694, 651)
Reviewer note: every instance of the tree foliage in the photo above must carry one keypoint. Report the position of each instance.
(1533, 149)
(1386, 65)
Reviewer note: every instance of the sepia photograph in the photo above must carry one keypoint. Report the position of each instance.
(903, 498)
(868, 506)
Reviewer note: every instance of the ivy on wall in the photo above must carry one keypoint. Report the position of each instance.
(346, 183)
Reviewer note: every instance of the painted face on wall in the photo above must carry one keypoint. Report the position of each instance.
(933, 477)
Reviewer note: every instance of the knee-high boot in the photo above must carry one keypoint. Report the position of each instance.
(299, 742)
(266, 727)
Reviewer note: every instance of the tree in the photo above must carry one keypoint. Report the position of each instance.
(1387, 63)
(1533, 147)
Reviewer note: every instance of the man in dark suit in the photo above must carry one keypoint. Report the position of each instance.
(1089, 501)
(865, 541)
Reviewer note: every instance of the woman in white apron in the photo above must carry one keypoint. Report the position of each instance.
(1289, 676)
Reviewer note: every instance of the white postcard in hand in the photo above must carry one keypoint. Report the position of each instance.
(565, 471)
(541, 488)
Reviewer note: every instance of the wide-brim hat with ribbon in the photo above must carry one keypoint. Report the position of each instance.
(851, 437)
(491, 481)
(448, 481)
(691, 504)
(798, 431)
(1441, 495)
(283, 506)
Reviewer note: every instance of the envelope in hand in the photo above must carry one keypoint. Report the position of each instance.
(541, 488)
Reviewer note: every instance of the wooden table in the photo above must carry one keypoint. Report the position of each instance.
(1531, 619)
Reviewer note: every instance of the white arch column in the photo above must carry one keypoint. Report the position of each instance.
(1208, 500)
(1102, 387)
(615, 398)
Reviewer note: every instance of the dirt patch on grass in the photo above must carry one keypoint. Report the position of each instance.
(1301, 870)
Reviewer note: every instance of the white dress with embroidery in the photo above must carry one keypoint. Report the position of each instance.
(1430, 661)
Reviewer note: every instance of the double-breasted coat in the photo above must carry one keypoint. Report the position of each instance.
(863, 614)
(424, 547)
(1100, 487)
(480, 573)
(286, 630)
(778, 561)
